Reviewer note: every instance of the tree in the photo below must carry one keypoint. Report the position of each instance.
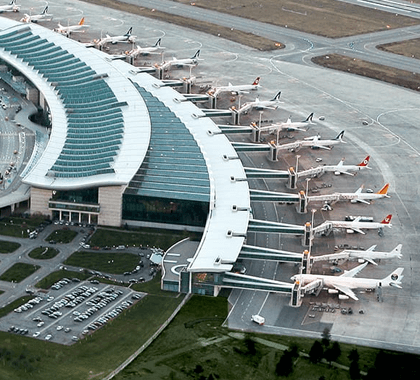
(354, 355)
(326, 337)
(332, 353)
(316, 352)
(285, 365)
(250, 346)
(354, 370)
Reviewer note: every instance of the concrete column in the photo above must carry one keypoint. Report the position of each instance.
(39, 201)
(303, 202)
(110, 200)
(306, 241)
(292, 179)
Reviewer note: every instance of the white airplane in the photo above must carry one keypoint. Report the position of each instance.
(346, 282)
(355, 197)
(314, 142)
(193, 61)
(43, 16)
(357, 225)
(68, 30)
(11, 7)
(369, 255)
(133, 53)
(127, 38)
(235, 89)
(258, 104)
(289, 125)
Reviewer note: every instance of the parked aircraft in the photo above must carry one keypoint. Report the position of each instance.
(271, 104)
(193, 61)
(314, 142)
(355, 197)
(357, 225)
(236, 89)
(11, 7)
(67, 30)
(346, 282)
(133, 53)
(127, 38)
(369, 255)
(289, 125)
(43, 16)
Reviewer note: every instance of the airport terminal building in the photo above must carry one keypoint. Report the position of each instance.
(117, 146)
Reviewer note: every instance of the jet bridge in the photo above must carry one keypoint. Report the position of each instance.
(274, 227)
(272, 196)
(262, 253)
(242, 281)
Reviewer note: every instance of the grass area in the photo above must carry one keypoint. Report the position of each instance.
(387, 74)
(196, 346)
(142, 237)
(63, 236)
(18, 227)
(153, 287)
(108, 262)
(91, 358)
(53, 277)
(19, 272)
(409, 48)
(13, 305)
(43, 253)
(8, 246)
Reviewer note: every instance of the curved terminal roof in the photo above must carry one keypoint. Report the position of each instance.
(126, 122)
(100, 124)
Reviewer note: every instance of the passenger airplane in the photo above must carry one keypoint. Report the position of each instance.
(11, 7)
(133, 53)
(193, 61)
(346, 282)
(43, 16)
(340, 168)
(289, 125)
(67, 30)
(258, 104)
(314, 142)
(355, 197)
(368, 255)
(235, 89)
(357, 225)
(127, 38)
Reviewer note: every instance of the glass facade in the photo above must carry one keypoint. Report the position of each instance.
(162, 210)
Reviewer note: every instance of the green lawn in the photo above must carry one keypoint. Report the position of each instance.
(18, 227)
(90, 358)
(43, 253)
(8, 246)
(13, 305)
(62, 236)
(108, 262)
(18, 272)
(141, 237)
(53, 277)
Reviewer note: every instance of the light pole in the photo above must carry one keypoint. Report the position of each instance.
(297, 164)
(307, 186)
(313, 211)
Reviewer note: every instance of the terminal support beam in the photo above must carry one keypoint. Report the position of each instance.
(303, 202)
(292, 179)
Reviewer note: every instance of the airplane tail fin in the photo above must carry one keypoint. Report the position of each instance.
(384, 190)
(340, 136)
(397, 251)
(44, 12)
(157, 44)
(277, 97)
(387, 219)
(196, 55)
(82, 21)
(365, 162)
(256, 81)
(394, 279)
(309, 118)
(129, 31)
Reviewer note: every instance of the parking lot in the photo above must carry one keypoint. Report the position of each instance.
(71, 310)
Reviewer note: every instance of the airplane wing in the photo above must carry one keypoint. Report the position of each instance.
(369, 260)
(321, 146)
(347, 291)
(353, 272)
(362, 201)
(372, 248)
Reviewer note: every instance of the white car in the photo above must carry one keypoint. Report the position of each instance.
(35, 334)
(59, 328)
(48, 337)
(40, 324)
